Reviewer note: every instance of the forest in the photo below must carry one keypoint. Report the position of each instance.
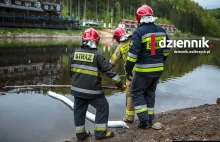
(216, 14)
(186, 15)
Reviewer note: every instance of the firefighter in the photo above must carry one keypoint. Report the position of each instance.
(121, 52)
(148, 64)
(86, 64)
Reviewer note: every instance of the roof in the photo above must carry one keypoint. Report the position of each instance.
(21, 7)
(127, 20)
(166, 25)
(92, 23)
(48, 3)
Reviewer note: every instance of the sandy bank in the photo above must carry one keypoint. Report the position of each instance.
(197, 123)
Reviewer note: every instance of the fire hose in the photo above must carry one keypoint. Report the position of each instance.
(90, 116)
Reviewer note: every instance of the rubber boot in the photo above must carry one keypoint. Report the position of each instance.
(108, 135)
(151, 116)
(150, 122)
(145, 124)
(86, 136)
(127, 121)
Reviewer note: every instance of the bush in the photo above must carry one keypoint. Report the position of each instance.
(177, 33)
(162, 21)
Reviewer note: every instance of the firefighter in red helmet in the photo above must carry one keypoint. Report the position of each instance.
(147, 67)
(86, 64)
(121, 52)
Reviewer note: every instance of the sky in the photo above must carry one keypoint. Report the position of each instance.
(209, 4)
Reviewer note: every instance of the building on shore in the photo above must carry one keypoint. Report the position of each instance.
(34, 14)
(130, 25)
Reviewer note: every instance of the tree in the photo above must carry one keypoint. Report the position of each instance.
(186, 15)
(117, 12)
(64, 13)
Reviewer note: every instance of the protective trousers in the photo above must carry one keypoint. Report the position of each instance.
(101, 120)
(129, 104)
(143, 95)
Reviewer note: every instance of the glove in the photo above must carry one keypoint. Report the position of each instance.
(128, 76)
(122, 88)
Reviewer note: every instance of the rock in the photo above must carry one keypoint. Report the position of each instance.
(168, 140)
(193, 118)
(218, 101)
(157, 126)
(67, 140)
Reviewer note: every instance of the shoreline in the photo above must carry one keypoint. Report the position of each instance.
(33, 35)
(194, 37)
(16, 33)
(37, 33)
(79, 36)
(194, 123)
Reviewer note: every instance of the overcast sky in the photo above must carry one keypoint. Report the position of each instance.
(209, 4)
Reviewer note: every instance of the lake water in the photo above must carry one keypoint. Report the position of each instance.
(31, 115)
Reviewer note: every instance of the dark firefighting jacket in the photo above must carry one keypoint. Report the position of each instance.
(139, 56)
(86, 65)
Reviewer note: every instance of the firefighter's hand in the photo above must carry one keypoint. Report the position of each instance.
(122, 88)
(129, 76)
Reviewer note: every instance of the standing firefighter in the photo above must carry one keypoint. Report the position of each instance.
(86, 64)
(121, 52)
(147, 58)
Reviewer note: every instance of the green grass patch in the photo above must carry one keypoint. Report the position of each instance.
(14, 31)
(12, 43)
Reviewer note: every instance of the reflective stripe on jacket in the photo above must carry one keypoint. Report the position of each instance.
(86, 66)
(120, 52)
(139, 55)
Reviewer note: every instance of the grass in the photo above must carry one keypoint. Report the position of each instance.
(14, 31)
(38, 43)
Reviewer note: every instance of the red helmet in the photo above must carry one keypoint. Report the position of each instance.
(91, 34)
(119, 33)
(143, 11)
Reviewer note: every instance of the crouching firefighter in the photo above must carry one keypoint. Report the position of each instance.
(147, 58)
(121, 52)
(86, 64)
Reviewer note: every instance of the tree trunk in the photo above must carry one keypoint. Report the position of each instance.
(84, 16)
(79, 9)
(107, 9)
(70, 9)
(123, 13)
(96, 12)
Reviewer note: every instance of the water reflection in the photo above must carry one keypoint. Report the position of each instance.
(179, 65)
(31, 66)
(49, 65)
(41, 65)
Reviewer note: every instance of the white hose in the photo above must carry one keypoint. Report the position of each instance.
(90, 116)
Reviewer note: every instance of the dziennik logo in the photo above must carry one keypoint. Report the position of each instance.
(189, 44)
(203, 43)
